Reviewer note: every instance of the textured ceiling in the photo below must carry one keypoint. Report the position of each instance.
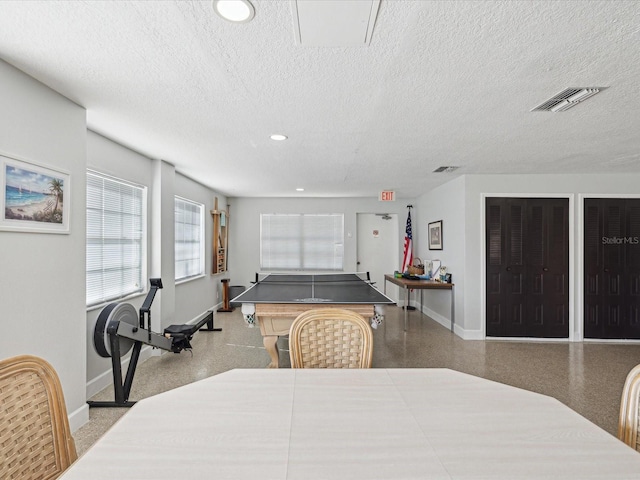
(441, 83)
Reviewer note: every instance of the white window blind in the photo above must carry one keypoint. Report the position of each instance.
(301, 241)
(189, 239)
(116, 229)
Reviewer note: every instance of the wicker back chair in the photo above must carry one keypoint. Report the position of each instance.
(35, 439)
(330, 338)
(628, 421)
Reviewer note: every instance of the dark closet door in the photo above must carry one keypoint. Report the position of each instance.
(612, 268)
(527, 267)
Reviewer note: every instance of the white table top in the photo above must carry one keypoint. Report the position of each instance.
(356, 424)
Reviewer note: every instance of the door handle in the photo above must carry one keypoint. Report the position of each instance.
(545, 269)
(508, 269)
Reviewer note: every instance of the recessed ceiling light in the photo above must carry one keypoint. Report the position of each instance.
(238, 11)
(278, 137)
(299, 189)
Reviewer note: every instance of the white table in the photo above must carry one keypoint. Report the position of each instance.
(356, 424)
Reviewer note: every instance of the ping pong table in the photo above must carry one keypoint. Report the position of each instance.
(277, 299)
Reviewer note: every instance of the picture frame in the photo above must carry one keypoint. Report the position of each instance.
(34, 197)
(435, 235)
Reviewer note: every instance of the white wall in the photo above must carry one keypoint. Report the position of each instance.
(195, 297)
(108, 157)
(42, 276)
(174, 304)
(445, 203)
(244, 227)
(573, 187)
(460, 205)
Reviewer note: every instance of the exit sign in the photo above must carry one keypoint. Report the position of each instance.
(387, 196)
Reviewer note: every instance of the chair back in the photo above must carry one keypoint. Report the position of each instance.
(628, 421)
(35, 439)
(330, 338)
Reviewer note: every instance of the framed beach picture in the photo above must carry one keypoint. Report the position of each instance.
(435, 235)
(33, 197)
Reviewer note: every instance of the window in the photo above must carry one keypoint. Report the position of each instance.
(116, 231)
(301, 241)
(189, 247)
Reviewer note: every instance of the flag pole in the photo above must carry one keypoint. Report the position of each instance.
(407, 256)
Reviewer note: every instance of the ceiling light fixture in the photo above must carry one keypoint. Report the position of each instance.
(299, 189)
(237, 11)
(278, 137)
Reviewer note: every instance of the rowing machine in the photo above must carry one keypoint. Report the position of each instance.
(119, 328)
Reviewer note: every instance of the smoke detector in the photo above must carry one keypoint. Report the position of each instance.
(566, 99)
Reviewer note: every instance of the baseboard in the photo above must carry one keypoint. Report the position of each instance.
(468, 334)
(457, 329)
(79, 417)
(445, 322)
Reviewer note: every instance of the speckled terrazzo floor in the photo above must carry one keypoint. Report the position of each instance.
(588, 377)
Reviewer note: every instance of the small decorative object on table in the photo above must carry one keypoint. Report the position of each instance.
(434, 269)
(443, 274)
(417, 268)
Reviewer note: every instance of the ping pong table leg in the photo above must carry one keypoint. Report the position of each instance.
(271, 344)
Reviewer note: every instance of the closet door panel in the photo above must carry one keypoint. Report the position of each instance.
(527, 267)
(612, 268)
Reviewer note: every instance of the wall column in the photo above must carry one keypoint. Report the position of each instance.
(162, 244)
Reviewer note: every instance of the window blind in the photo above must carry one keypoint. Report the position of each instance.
(189, 239)
(116, 230)
(301, 241)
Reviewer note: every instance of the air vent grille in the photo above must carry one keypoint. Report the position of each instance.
(445, 169)
(566, 99)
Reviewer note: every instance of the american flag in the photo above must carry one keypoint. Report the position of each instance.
(407, 258)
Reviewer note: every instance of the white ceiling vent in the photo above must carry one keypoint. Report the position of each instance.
(567, 98)
(445, 169)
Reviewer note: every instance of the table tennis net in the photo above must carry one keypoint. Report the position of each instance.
(312, 279)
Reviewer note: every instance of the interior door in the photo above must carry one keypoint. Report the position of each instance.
(378, 247)
(612, 268)
(527, 267)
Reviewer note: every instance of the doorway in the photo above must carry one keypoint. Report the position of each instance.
(527, 267)
(612, 268)
(377, 247)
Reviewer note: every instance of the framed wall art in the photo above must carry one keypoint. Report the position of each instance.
(435, 235)
(33, 197)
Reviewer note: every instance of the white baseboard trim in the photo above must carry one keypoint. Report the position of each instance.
(457, 329)
(468, 334)
(78, 417)
(445, 322)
